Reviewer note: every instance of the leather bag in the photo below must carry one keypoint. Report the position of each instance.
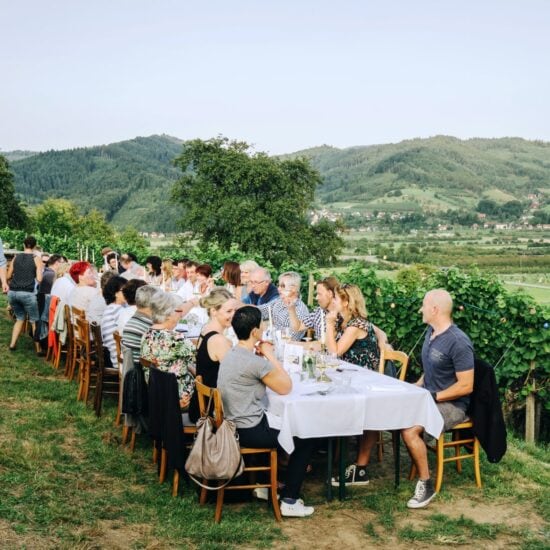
(216, 454)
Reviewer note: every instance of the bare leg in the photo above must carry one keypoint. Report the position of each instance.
(417, 449)
(366, 442)
(17, 327)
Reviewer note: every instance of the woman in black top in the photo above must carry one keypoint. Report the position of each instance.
(213, 345)
(24, 271)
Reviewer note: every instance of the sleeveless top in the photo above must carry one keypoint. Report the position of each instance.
(24, 273)
(208, 369)
(364, 351)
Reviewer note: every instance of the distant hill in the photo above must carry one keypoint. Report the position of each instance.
(432, 174)
(131, 181)
(17, 155)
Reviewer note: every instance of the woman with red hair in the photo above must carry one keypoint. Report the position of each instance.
(84, 276)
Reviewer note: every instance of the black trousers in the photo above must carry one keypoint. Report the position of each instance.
(262, 435)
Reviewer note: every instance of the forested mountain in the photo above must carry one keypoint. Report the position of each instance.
(431, 174)
(131, 181)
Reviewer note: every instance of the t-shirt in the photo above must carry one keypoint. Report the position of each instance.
(241, 386)
(448, 353)
(135, 328)
(62, 287)
(81, 296)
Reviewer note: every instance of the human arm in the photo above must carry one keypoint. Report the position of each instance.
(277, 379)
(381, 336)
(4, 279)
(39, 268)
(464, 385)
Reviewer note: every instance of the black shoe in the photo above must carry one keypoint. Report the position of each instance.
(354, 475)
(423, 494)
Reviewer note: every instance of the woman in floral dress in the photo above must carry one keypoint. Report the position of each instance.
(170, 351)
(358, 341)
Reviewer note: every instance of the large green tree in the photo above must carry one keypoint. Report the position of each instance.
(231, 195)
(12, 214)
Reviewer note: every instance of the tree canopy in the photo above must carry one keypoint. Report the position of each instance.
(233, 196)
(12, 214)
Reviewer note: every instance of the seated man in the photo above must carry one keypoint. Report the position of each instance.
(263, 290)
(289, 290)
(448, 363)
(242, 380)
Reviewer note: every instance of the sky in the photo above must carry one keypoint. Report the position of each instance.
(281, 75)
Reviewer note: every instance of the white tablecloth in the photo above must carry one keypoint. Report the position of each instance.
(371, 402)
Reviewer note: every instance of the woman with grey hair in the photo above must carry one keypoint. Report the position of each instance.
(166, 348)
(247, 267)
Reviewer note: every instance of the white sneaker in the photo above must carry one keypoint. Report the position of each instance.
(262, 493)
(296, 510)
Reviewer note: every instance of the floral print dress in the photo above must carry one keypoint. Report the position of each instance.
(171, 353)
(364, 351)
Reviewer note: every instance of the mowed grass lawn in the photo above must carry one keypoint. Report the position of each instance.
(65, 482)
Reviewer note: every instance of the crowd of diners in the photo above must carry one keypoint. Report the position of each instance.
(146, 303)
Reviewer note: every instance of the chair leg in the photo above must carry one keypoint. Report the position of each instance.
(476, 462)
(458, 463)
(219, 503)
(175, 482)
(380, 446)
(439, 462)
(133, 441)
(273, 481)
(162, 472)
(125, 432)
(204, 494)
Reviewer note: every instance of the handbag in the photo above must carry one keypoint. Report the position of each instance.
(216, 453)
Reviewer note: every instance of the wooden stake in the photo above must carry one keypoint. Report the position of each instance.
(310, 290)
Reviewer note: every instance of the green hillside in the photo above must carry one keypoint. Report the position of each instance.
(131, 181)
(431, 174)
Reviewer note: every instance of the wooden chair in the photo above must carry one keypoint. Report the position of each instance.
(107, 378)
(204, 393)
(458, 440)
(85, 357)
(389, 354)
(69, 343)
(118, 345)
(75, 313)
(164, 411)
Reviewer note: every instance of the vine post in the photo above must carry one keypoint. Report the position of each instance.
(530, 406)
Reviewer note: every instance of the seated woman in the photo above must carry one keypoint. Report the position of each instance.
(242, 380)
(231, 274)
(112, 292)
(153, 266)
(355, 339)
(204, 280)
(168, 282)
(168, 349)
(213, 345)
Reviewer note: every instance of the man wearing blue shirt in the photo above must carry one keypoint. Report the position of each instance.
(448, 363)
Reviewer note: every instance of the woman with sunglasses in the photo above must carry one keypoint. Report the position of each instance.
(355, 339)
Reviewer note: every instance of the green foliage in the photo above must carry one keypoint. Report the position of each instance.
(128, 182)
(233, 196)
(56, 217)
(12, 213)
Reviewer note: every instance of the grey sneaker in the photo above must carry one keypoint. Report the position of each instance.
(354, 475)
(423, 494)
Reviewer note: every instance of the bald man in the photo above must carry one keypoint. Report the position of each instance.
(448, 363)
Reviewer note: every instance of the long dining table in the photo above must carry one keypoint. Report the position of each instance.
(355, 399)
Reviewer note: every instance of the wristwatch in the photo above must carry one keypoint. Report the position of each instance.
(434, 395)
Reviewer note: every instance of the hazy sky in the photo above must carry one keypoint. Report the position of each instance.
(283, 75)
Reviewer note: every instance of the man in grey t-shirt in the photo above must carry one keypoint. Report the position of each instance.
(448, 362)
(242, 381)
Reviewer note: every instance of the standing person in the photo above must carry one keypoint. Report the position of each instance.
(213, 344)
(325, 291)
(358, 341)
(3, 270)
(242, 380)
(247, 267)
(25, 269)
(263, 290)
(448, 364)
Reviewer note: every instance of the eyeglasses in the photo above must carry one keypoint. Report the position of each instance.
(257, 282)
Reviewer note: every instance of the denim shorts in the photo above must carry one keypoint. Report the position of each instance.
(24, 303)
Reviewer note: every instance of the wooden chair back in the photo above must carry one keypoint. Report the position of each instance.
(389, 354)
(118, 346)
(203, 394)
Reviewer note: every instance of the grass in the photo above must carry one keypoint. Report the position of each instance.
(65, 482)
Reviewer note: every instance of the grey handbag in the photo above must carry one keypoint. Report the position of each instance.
(216, 454)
